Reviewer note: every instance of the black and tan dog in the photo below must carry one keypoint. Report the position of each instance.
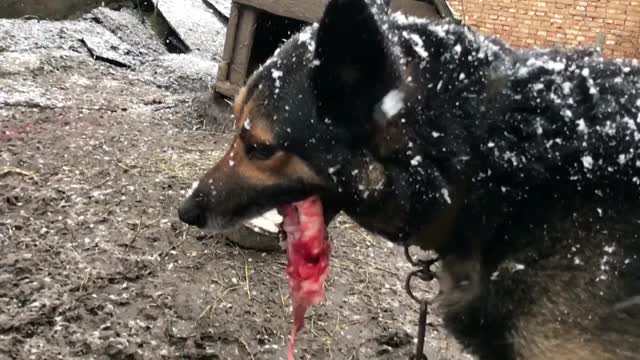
(520, 168)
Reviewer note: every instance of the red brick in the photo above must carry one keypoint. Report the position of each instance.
(563, 23)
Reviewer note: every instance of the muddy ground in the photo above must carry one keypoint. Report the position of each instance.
(94, 263)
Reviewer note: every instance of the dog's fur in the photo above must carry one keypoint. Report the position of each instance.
(520, 168)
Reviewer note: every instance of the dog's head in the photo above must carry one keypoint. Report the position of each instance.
(302, 122)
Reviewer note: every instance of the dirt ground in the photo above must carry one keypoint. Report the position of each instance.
(94, 263)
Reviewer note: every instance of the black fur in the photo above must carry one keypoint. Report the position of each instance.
(536, 152)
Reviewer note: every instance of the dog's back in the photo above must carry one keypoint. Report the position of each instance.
(551, 138)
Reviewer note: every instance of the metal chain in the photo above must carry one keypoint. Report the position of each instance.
(423, 272)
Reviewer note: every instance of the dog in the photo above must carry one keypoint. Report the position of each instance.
(520, 168)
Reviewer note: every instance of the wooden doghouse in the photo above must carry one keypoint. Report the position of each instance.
(257, 27)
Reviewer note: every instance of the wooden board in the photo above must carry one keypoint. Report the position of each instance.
(305, 10)
(247, 17)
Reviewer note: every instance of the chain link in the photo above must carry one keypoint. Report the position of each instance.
(423, 272)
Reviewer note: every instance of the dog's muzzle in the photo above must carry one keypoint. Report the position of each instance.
(192, 212)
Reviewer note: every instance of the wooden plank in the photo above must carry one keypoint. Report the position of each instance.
(305, 10)
(229, 41)
(227, 89)
(243, 44)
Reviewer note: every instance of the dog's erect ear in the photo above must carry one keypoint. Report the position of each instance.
(354, 68)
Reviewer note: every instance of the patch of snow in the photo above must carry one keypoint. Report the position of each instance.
(416, 160)
(610, 248)
(277, 74)
(445, 194)
(622, 158)
(457, 49)
(462, 76)
(546, 63)
(582, 127)
(417, 43)
(587, 161)
(333, 169)
(566, 113)
(193, 188)
(518, 267)
(392, 103)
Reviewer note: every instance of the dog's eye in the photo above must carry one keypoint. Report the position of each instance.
(261, 151)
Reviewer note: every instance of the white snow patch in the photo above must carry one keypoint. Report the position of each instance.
(610, 249)
(566, 88)
(417, 43)
(445, 194)
(193, 188)
(629, 123)
(566, 113)
(416, 160)
(277, 74)
(333, 169)
(582, 126)
(462, 76)
(438, 30)
(585, 72)
(392, 103)
(457, 49)
(546, 63)
(518, 267)
(622, 158)
(587, 161)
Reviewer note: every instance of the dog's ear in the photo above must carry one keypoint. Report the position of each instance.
(354, 69)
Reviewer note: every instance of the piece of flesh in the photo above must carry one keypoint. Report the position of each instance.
(307, 258)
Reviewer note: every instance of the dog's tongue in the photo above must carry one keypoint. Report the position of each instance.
(308, 258)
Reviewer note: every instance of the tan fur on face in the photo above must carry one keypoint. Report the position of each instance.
(283, 167)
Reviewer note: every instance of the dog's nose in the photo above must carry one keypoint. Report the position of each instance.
(191, 213)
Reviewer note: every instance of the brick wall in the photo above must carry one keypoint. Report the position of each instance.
(563, 23)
